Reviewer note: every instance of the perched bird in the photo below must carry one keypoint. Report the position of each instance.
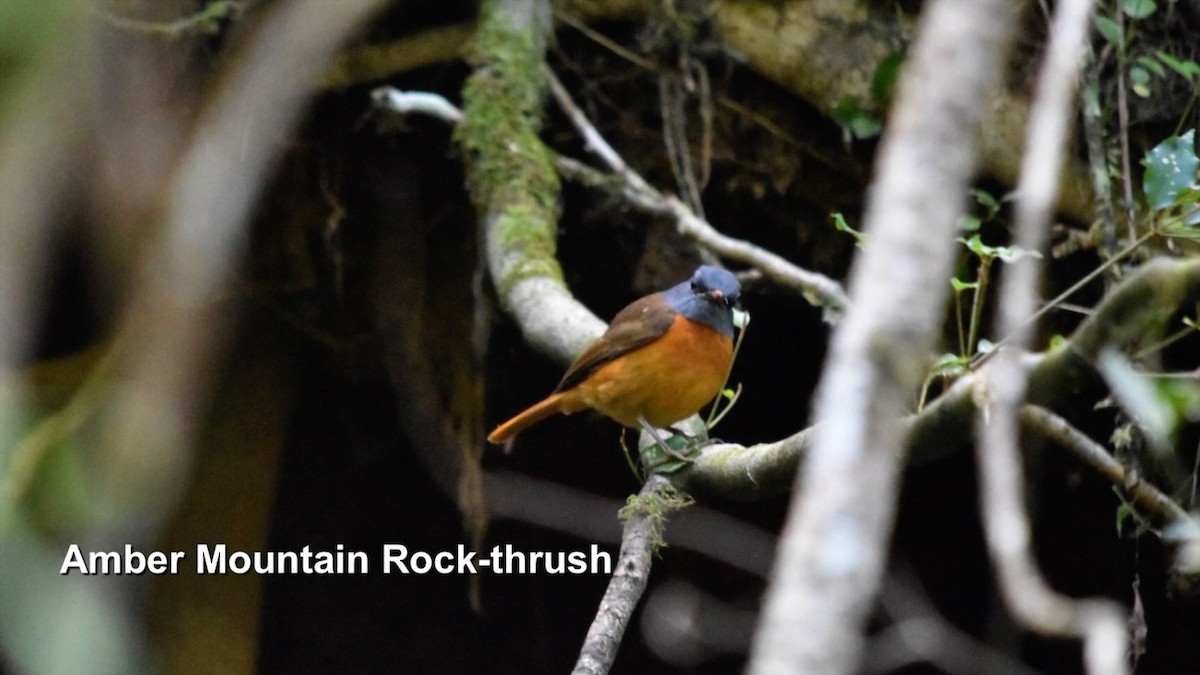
(662, 358)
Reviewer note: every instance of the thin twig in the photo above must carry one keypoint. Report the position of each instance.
(817, 288)
(609, 44)
(1097, 154)
(28, 454)
(1098, 622)
(206, 21)
(1123, 122)
(1151, 501)
(421, 102)
(1058, 299)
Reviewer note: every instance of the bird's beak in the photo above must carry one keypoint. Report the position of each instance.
(719, 297)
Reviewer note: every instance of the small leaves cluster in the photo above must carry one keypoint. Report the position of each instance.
(951, 365)
(1143, 69)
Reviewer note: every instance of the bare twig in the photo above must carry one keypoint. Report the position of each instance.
(1123, 122)
(1151, 502)
(1105, 225)
(419, 102)
(206, 21)
(1099, 623)
(921, 634)
(818, 288)
(627, 182)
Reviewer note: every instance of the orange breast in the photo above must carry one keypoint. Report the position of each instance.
(664, 381)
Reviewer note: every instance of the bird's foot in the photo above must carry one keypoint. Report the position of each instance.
(671, 454)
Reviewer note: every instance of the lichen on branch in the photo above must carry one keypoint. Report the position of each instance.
(510, 172)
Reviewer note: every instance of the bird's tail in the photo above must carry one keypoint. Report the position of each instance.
(527, 418)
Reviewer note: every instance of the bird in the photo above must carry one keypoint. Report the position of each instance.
(660, 360)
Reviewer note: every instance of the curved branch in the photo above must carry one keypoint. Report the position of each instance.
(512, 178)
(1142, 304)
(817, 288)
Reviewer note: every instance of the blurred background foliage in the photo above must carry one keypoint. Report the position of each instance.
(219, 323)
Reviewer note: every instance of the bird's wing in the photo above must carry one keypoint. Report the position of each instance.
(639, 324)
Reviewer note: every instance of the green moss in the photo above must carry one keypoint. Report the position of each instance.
(657, 506)
(511, 173)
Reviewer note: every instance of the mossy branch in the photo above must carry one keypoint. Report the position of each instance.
(510, 172)
(512, 180)
(645, 518)
(1140, 306)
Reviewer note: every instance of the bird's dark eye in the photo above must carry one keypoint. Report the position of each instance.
(696, 288)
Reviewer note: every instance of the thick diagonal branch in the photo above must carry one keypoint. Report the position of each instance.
(835, 544)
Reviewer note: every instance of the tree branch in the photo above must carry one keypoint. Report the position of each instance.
(817, 288)
(831, 557)
(841, 44)
(1142, 304)
(1031, 600)
(512, 178)
(642, 535)
(1150, 501)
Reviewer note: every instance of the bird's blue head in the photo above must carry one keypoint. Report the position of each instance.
(708, 297)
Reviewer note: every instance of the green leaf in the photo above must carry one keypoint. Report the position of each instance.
(1108, 28)
(884, 81)
(1188, 201)
(840, 223)
(960, 286)
(950, 364)
(1182, 395)
(854, 119)
(1005, 253)
(1181, 229)
(1139, 81)
(1152, 65)
(1187, 68)
(1123, 514)
(975, 245)
(1011, 253)
(668, 462)
(987, 201)
(1170, 168)
(1138, 9)
(970, 224)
